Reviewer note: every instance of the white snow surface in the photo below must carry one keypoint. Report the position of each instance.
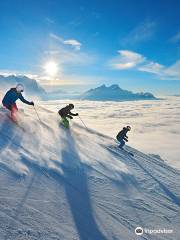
(76, 184)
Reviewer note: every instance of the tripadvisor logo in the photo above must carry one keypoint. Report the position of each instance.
(139, 231)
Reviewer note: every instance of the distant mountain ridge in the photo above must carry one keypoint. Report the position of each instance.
(101, 93)
(114, 93)
(31, 85)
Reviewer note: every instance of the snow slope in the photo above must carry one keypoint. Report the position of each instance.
(75, 184)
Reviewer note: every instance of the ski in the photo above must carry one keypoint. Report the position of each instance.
(130, 153)
(119, 150)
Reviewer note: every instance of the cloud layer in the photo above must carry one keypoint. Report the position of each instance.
(126, 60)
(155, 124)
(133, 60)
(72, 42)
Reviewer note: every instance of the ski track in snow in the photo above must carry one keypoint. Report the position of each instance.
(76, 184)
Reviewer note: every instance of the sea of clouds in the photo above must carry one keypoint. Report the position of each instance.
(155, 123)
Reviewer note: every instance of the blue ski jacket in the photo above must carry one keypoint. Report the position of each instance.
(12, 96)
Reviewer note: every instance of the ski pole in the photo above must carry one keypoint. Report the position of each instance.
(37, 113)
(82, 121)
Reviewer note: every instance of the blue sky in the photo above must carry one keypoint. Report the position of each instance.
(135, 44)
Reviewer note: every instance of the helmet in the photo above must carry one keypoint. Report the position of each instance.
(19, 87)
(128, 128)
(71, 105)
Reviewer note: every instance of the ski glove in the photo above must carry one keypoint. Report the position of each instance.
(32, 103)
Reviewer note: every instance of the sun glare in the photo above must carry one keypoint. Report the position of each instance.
(51, 68)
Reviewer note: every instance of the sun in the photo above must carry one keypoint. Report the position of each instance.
(51, 68)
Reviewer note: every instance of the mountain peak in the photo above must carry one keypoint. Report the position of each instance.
(31, 85)
(114, 87)
(114, 93)
(102, 86)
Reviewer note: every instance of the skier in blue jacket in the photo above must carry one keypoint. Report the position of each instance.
(10, 98)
